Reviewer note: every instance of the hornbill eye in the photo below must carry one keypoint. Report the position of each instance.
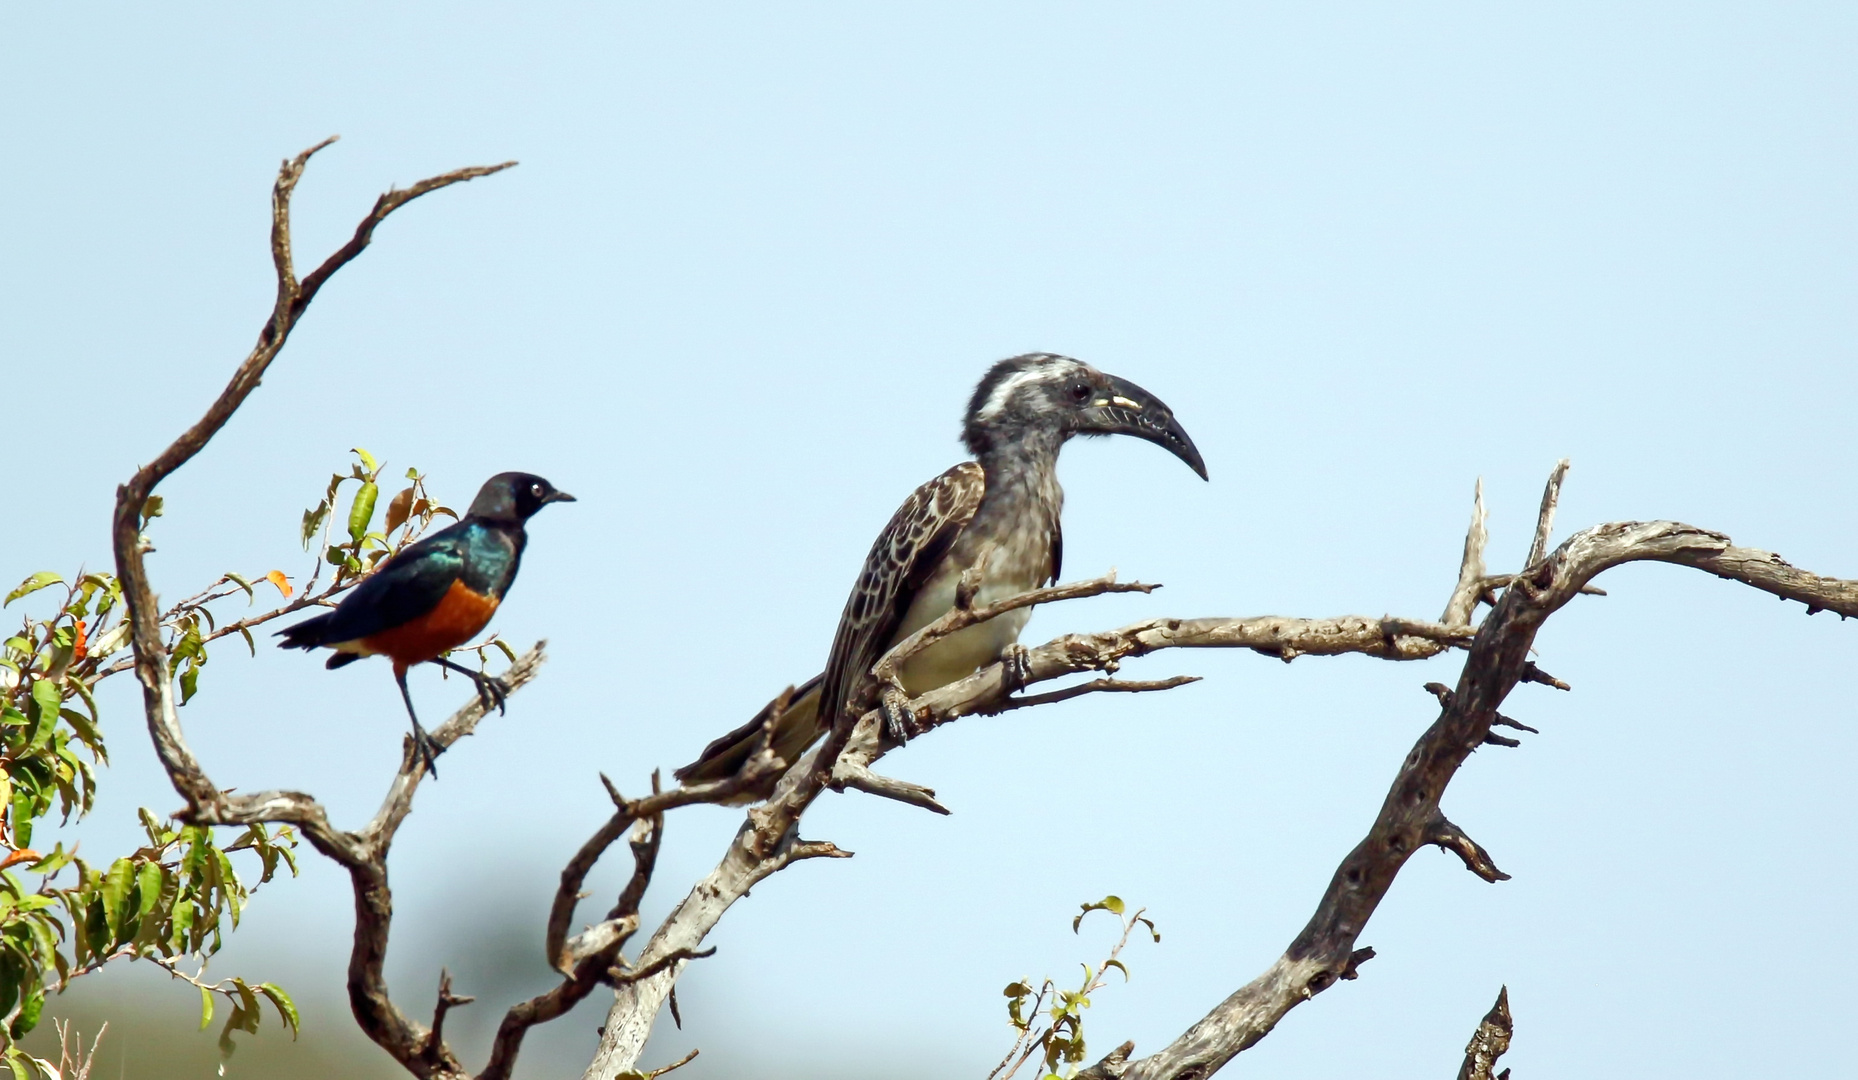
(1080, 391)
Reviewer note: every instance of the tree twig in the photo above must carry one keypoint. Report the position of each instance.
(1489, 1042)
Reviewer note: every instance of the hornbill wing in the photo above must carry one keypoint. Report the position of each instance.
(906, 553)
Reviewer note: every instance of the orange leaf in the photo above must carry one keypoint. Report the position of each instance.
(277, 578)
(399, 509)
(80, 645)
(18, 856)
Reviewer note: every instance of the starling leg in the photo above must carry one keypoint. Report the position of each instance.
(424, 749)
(489, 689)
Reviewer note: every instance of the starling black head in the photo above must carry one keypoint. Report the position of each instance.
(514, 497)
(1043, 395)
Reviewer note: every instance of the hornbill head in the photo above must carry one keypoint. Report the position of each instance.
(514, 497)
(1046, 394)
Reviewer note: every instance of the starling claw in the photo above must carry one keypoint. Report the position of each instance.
(490, 691)
(426, 751)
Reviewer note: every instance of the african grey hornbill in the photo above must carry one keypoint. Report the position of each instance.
(999, 511)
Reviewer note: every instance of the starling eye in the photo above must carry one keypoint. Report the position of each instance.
(536, 490)
(1080, 391)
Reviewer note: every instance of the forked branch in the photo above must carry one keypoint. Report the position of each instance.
(420, 1050)
(1410, 816)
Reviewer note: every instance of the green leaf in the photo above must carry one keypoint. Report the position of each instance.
(148, 888)
(313, 522)
(152, 509)
(241, 582)
(115, 892)
(249, 643)
(286, 1008)
(507, 651)
(33, 584)
(206, 1007)
(29, 1011)
(361, 511)
(17, 1063)
(86, 730)
(1111, 904)
(46, 696)
(367, 460)
(1018, 989)
(190, 683)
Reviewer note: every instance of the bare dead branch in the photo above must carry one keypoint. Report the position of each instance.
(1449, 837)
(1545, 517)
(364, 854)
(293, 298)
(676, 956)
(74, 1062)
(1489, 1042)
(1095, 686)
(1410, 815)
(850, 775)
(447, 1001)
(678, 1064)
(963, 616)
(1325, 951)
(1470, 588)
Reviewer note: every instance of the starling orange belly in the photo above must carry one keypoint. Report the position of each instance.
(456, 619)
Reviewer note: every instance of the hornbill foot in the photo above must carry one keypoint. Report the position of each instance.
(1016, 662)
(895, 706)
(426, 750)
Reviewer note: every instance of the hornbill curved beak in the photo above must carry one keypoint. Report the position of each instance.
(1127, 409)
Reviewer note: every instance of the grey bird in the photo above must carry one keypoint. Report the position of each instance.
(999, 511)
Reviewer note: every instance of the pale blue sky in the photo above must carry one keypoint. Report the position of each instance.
(734, 299)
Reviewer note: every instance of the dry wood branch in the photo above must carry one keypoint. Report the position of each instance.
(293, 298)
(1095, 686)
(678, 1064)
(74, 1062)
(363, 853)
(447, 1001)
(587, 960)
(1470, 588)
(1449, 837)
(965, 615)
(1410, 816)
(1489, 1042)
(851, 775)
(1325, 951)
(676, 956)
(1545, 517)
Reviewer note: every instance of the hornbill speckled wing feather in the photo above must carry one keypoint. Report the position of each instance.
(1000, 511)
